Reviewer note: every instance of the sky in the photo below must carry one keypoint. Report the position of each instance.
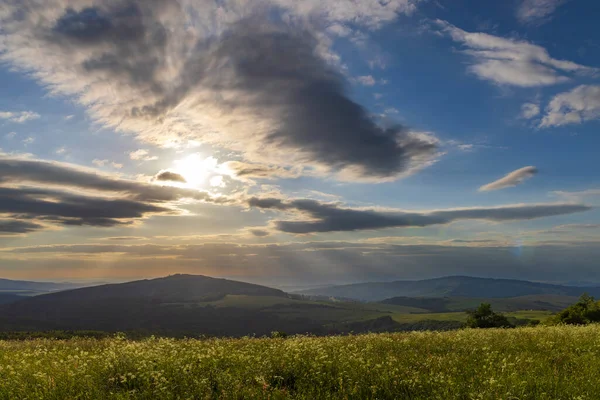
(290, 142)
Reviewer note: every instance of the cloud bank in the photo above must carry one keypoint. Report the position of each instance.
(512, 179)
(229, 73)
(312, 216)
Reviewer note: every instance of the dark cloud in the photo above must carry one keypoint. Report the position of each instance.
(15, 227)
(33, 191)
(72, 209)
(243, 170)
(169, 176)
(280, 68)
(260, 232)
(256, 85)
(313, 216)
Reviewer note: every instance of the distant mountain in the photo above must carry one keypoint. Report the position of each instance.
(452, 286)
(178, 304)
(542, 302)
(7, 285)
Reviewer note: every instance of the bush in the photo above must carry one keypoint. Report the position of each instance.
(484, 317)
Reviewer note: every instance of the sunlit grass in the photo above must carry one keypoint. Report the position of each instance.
(525, 363)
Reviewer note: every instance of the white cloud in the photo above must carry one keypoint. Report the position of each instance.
(19, 117)
(366, 80)
(339, 30)
(28, 141)
(142, 155)
(537, 10)
(101, 163)
(10, 135)
(61, 150)
(512, 62)
(529, 110)
(512, 179)
(574, 107)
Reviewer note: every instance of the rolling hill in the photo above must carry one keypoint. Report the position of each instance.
(453, 286)
(192, 305)
(174, 305)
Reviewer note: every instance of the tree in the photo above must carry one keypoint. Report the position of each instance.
(485, 317)
(585, 311)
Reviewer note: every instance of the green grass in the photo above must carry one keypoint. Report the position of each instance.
(524, 363)
(526, 314)
(401, 315)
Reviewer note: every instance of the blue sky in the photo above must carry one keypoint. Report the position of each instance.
(299, 142)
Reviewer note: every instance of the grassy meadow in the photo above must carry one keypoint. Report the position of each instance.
(524, 363)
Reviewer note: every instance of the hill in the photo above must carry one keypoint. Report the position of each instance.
(174, 288)
(453, 286)
(178, 304)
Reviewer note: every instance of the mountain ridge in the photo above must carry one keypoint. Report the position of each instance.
(449, 286)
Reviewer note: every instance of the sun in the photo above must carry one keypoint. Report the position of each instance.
(196, 169)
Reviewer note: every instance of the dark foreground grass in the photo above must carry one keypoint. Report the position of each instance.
(524, 363)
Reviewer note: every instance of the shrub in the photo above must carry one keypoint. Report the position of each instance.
(484, 317)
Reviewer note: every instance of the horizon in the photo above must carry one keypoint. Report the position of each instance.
(290, 288)
(299, 143)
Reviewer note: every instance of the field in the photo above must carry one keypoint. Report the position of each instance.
(337, 312)
(523, 363)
